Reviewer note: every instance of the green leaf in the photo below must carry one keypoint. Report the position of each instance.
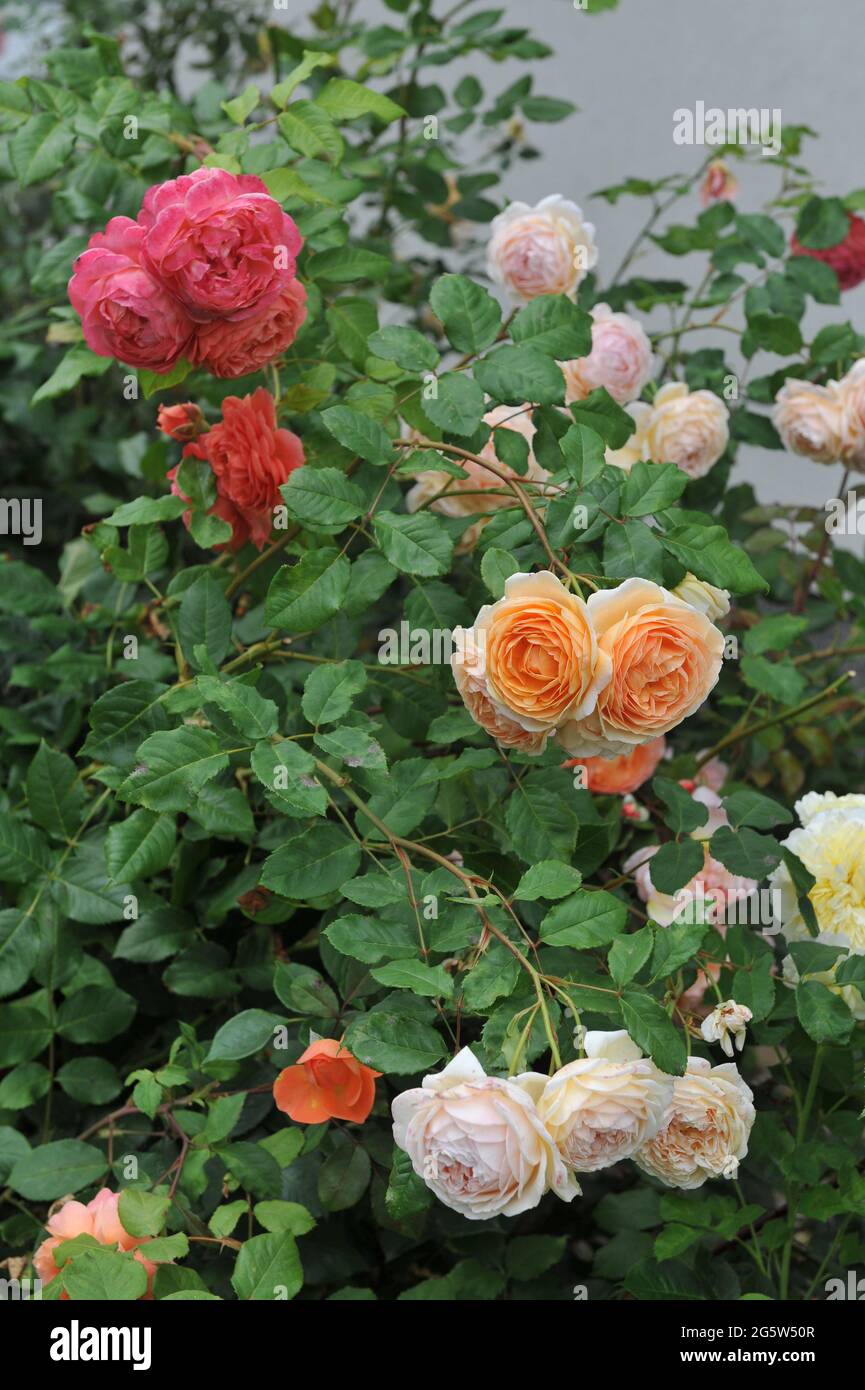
(240, 107)
(432, 980)
(20, 943)
(780, 680)
(583, 920)
(708, 552)
(540, 823)
(747, 807)
(407, 1194)
(205, 621)
(675, 864)
(344, 264)
(393, 1043)
(358, 433)
(822, 222)
(605, 416)
(405, 346)
(283, 1216)
(653, 1031)
(311, 60)
(146, 510)
(312, 863)
(745, 851)
(824, 1015)
(54, 1169)
(95, 1014)
(369, 939)
(470, 316)
(243, 1035)
(251, 714)
(583, 451)
(652, 487)
(457, 404)
(330, 689)
(309, 129)
(675, 946)
(633, 548)
(551, 324)
(139, 846)
(515, 375)
(151, 382)
(268, 1268)
(41, 147)
(344, 1177)
(287, 773)
(104, 1275)
(414, 544)
(684, 813)
(548, 879)
(173, 767)
(774, 634)
(78, 363)
(24, 853)
(54, 793)
(142, 1213)
(121, 718)
(628, 955)
(305, 595)
(496, 567)
(346, 101)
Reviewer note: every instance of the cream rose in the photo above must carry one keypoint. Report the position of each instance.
(620, 359)
(707, 1129)
(481, 491)
(665, 659)
(706, 598)
(852, 392)
(831, 845)
(727, 1024)
(542, 663)
(688, 428)
(810, 419)
(603, 1107)
(478, 1141)
(547, 249)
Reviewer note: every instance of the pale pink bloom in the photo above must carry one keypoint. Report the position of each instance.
(547, 249)
(620, 359)
(100, 1219)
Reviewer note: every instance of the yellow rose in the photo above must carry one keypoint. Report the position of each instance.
(706, 598)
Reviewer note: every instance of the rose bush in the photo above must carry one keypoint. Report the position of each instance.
(421, 760)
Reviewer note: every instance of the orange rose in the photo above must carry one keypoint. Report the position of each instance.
(181, 422)
(469, 676)
(665, 658)
(326, 1083)
(618, 776)
(541, 661)
(99, 1219)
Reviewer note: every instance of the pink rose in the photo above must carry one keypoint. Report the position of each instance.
(125, 312)
(100, 1219)
(713, 882)
(719, 184)
(229, 349)
(181, 422)
(620, 359)
(547, 249)
(219, 243)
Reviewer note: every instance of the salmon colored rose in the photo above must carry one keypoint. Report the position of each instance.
(326, 1083)
(219, 243)
(847, 257)
(468, 672)
(229, 349)
(481, 490)
(620, 359)
(624, 774)
(810, 419)
(250, 459)
(542, 662)
(126, 312)
(100, 1219)
(665, 658)
(547, 249)
(181, 422)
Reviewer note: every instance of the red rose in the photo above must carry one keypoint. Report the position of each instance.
(181, 422)
(847, 258)
(230, 349)
(250, 458)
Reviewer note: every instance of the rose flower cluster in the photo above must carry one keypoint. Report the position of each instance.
(601, 676)
(206, 272)
(493, 1146)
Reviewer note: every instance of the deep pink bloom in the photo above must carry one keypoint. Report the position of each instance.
(219, 243)
(125, 312)
(229, 349)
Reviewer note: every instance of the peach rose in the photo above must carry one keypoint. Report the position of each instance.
(603, 1107)
(713, 889)
(542, 663)
(665, 659)
(181, 422)
(100, 1219)
(326, 1083)
(852, 391)
(547, 249)
(719, 184)
(126, 312)
(250, 458)
(230, 349)
(624, 774)
(810, 419)
(481, 491)
(688, 428)
(707, 1129)
(620, 359)
(219, 243)
(478, 1141)
(467, 666)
